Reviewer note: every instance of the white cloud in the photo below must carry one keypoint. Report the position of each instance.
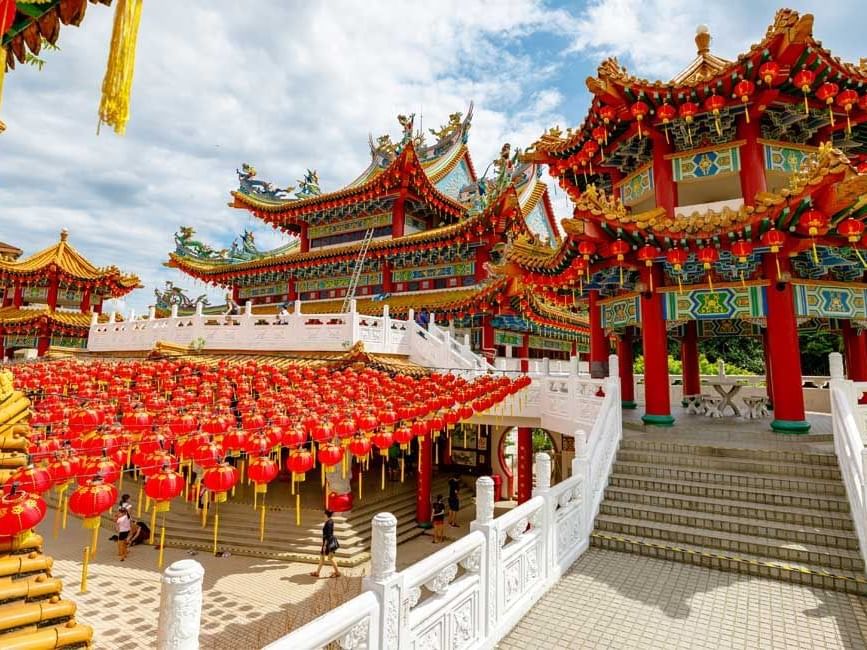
(218, 83)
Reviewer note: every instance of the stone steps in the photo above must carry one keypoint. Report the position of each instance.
(826, 502)
(774, 512)
(748, 465)
(731, 478)
(820, 518)
(799, 573)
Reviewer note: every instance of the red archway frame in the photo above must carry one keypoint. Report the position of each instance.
(501, 455)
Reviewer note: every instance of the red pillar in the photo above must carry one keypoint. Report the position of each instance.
(482, 256)
(855, 347)
(85, 300)
(689, 360)
(303, 239)
(664, 186)
(784, 350)
(291, 293)
(625, 361)
(398, 215)
(488, 337)
(18, 297)
(52, 292)
(598, 342)
(524, 352)
(654, 342)
(425, 474)
(525, 464)
(752, 160)
(43, 342)
(387, 284)
(769, 383)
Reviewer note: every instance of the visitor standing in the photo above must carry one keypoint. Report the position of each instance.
(454, 500)
(122, 524)
(125, 503)
(329, 546)
(439, 516)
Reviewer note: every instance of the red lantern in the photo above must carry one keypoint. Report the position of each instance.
(774, 240)
(262, 471)
(619, 248)
(707, 255)
(846, 100)
(639, 110)
(84, 421)
(607, 113)
(219, 480)
(89, 501)
(688, 111)
(403, 436)
(359, 447)
(826, 93)
(162, 487)
(742, 249)
(770, 73)
(300, 462)
(647, 254)
(676, 257)
(814, 223)
(330, 455)
(29, 478)
(804, 80)
(666, 113)
(383, 440)
(851, 229)
(744, 89)
(714, 104)
(20, 512)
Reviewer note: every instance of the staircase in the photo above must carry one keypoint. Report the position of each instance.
(773, 513)
(239, 527)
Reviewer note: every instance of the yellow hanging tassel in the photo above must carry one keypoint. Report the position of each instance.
(117, 84)
(815, 254)
(860, 259)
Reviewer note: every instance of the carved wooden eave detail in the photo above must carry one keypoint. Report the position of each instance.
(573, 226)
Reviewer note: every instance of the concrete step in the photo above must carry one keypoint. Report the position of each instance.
(748, 465)
(706, 489)
(697, 449)
(820, 518)
(808, 574)
(833, 559)
(724, 524)
(731, 478)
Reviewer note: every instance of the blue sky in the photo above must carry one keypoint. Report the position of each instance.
(286, 86)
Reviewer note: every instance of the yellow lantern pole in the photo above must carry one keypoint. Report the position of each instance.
(138, 502)
(297, 509)
(262, 524)
(85, 562)
(153, 524)
(162, 547)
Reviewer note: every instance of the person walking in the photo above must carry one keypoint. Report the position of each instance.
(454, 500)
(439, 516)
(122, 524)
(329, 547)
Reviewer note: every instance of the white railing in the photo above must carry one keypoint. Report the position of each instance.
(847, 418)
(472, 592)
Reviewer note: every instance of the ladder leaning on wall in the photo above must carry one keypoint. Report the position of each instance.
(356, 271)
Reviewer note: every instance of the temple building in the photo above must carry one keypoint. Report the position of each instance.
(728, 201)
(48, 297)
(417, 230)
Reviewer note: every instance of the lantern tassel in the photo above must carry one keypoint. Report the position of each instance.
(831, 114)
(747, 114)
(298, 508)
(848, 121)
(138, 503)
(815, 254)
(717, 125)
(94, 538)
(382, 474)
(162, 547)
(153, 525)
(743, 282)
(806, 105)
(216, 528)
(262, 524)
(117, 83)
(360, 481)
(667, 141)
(679, 285)
(779, 272)
(860, 259)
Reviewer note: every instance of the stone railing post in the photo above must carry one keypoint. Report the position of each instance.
(546, 366)
(386, 583)
(543, 473)
(835, 361)
(199, 309)
(180, 606)
(543, 489)
(174, 311)
(467, 341)
(131, 315)
(613, 367)
(484, 522)
(410, 315)
(248, 308)
(94, 319)
(152, 313)
(112, 317)
(573, 366)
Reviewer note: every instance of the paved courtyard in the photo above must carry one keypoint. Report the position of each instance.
(617, 600)
(247, 602)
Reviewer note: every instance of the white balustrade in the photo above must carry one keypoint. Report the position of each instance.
(848, 423)
(472, 592)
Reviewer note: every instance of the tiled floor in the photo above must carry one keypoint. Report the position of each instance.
(617, 600)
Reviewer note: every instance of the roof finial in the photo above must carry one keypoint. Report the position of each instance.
(702, 39)
(64, 234)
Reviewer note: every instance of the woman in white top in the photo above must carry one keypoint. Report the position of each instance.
(122, 524)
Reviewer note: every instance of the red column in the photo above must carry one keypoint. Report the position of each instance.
(598, 342)
(524, 352)
(654, 342)
(664, 186)
(769, 383)
(855, 347)
(303, 240)
(625, 361)
(425, 473)
(398, 216)
(482, 256)
(387, 284)
(85, 300)
(487, 336)
(291, 293)
(525, 464)
(18, 297)
(43, 342)
(52, 292)
(752, 160)
(784, 349)
(689, 360)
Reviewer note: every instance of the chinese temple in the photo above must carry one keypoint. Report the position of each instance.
(418, 229)
(728, 201)
(48, 297)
